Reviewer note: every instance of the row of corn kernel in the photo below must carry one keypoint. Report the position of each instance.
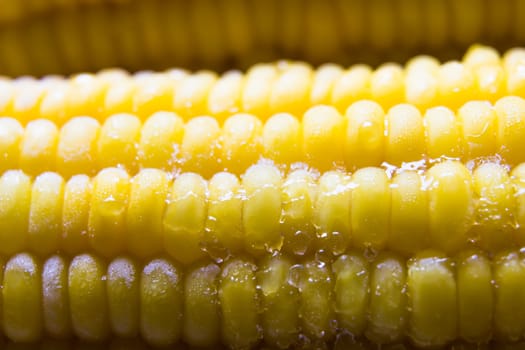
(430, 298)
(267, 89)
(156, 33)
(446, 208)
(323, 139)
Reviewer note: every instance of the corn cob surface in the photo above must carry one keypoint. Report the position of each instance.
(429, 299)
(267, 89)
(42, 37)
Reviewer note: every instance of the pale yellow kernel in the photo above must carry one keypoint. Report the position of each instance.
(86, 96)
(22, 299)
(281, 139)
(152, 95)
(161, 303)
(88, 298)
(451, 205)
(364, 142)
(405, 135)
(77, 147)
(147, 201)
(299, 196)
(387, 85)
(224, 98)
(432, 299)
(15, 203)
(353, 85)
(323, 83)
(257, 90)
(200, 149)
(495, 207)
(107, 214)
(409, 214)
(262, 208)
(457, 84)
(422, 81)
(55, 300)
(479, 55)
(515, 77)
(75, 213)
(332, 212)
(45, 214)
(26, 101)
(119, 97)
(442, 133)
(291, 89)
(479, 126)
(185, 217)
(38, 147)
(370, 214)
(191, 95)
(490, 82)
(160, 141)
(11, 135)
(511, 128)
(224, 230)
(241, 142)
(351, 276)
(518, 180)
(117, 142)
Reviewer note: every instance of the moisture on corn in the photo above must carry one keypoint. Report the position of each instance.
(322, 138)
(447, 207)
(429, 299)
(267, 89)
(43, 37)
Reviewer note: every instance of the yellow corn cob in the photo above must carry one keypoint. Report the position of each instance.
(429, 299)
(447, 207)
(267, 89)
(100, 33)
(364, 136)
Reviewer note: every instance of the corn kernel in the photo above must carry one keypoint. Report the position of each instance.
(39, 145)
(55, 300)
(75, 214)
(405, 141)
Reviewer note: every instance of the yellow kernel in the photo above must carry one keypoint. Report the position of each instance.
(281, 139)
(515, 77)
(201, 146)
(257, 89)
(370, 215)
(495, 207)
(75, 214)
(117, 142)
(201, 326)
(123, 293)
(161, 303)
(224, 98)
(432, 298)
(387, 84)
(88, 298)
(299, 193)
(323, 134)
(55, 299)
(351, 275)
(405, 141)
(86, 96)
(422, 82)
(107, 214)
(241, 142)
(119, 97)
(280, 302)
(185, 217)
(153, 94)
(490, 82)
(160, 141)
(11, 135)
(364, 143)
(457, 84)
(451, 205)
(15, 203)
(22, 299)
(511, 128)
(353, 85)
(332, 212)
(442, 133)
(147, 201)
(479, 123)
(39, 145)
(518, 180)
(262, 209)
(239, 304)
(224, 230)
(323, 83)
(478, 55)
(409, 214)
(77, 147)
(291, 89)
(191, 95)
(45, 214)
(475, 297)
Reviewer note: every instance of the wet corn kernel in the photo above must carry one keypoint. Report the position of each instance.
(11, 135)
(405, 135)
(457, 84)
(479, 125)
(191, 99)
(519, 195)
(282, 138)
(511, 127)
(257, 89)
(241, 142)
(38, 146)
(387, 85)
(442, 133)
(291, 89)
(55, 302)
(75, 214)
(224, 98)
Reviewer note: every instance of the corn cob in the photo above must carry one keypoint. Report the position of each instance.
(137, 34)
(447, 208)
(364, 136)
(267, 89)
(430, 299)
